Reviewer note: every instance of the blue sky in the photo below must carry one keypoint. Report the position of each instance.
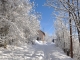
(46, 12)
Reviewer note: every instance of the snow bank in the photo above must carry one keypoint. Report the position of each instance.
(39, 42)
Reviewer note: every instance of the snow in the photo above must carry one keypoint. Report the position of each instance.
(38, 51)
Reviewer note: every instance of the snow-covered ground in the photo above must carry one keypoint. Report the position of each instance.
(38, 51)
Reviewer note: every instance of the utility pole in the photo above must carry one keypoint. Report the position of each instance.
(70, 24)
(71, 43)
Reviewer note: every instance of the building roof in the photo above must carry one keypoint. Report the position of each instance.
(42, 32)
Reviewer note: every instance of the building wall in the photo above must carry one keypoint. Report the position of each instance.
(41, 35)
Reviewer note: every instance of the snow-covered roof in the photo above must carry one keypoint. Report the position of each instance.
(41, 32)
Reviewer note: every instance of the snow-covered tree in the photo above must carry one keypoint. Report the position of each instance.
(62, 33)
(48, 38)
(71, 9)
(68, 6)
(18, 20)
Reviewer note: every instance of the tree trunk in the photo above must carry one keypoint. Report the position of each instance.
(78, 35)
(79, 20)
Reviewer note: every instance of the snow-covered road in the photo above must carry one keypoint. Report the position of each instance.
(46, 51)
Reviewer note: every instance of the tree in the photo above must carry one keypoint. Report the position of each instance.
(48, 38)
(61, 31)
(22, 21)
(71, 9)
(62, 5)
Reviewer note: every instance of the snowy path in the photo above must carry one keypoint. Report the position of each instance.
(50, 52)
(35, 52)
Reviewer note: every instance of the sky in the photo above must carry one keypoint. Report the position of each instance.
(46, 14)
